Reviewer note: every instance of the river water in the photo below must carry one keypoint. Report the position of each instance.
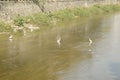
(64, 52)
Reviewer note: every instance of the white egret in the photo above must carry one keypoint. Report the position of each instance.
(11, 38)
(59, 40)
(90, 41)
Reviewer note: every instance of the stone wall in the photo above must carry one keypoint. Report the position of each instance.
(9, 9)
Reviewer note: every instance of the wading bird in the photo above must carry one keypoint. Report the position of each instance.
(90, 41)
(10, 38)
(59, 40)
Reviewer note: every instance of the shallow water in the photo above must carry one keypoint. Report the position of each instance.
(64, 53)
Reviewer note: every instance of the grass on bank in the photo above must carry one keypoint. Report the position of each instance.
(67, 14)
(4, 27)
(45, 19)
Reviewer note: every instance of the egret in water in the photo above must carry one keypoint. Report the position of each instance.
(90, 43)
(10, 38)
(59, 40)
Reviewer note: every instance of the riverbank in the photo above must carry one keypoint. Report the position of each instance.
(39, 20)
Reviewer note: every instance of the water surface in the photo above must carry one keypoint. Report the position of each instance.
(39, 56)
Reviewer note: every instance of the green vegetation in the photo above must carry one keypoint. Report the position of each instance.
(45, 19)
(4, 27)
(39, 19)
(19, 20)
(67, 14)
(86, 12)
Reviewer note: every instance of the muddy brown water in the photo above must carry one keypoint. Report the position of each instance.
(64, 53)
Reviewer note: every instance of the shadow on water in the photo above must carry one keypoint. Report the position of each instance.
(50, 55)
